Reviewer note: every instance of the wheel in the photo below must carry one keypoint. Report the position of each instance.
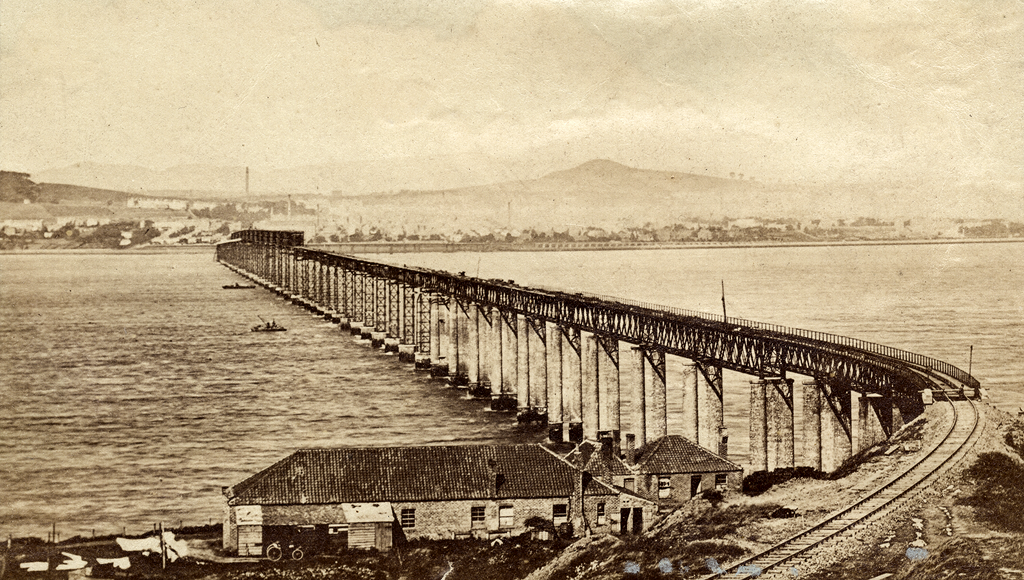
(297, 553)
(274, 552)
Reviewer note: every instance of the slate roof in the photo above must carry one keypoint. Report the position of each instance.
(674, 454)
(588, 457)
(430, 473)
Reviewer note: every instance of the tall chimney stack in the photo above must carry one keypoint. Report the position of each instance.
(606, 447)
(630, 448)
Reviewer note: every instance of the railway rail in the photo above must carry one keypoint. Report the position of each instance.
(797, 554)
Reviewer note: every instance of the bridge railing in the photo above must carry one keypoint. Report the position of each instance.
(918, 360)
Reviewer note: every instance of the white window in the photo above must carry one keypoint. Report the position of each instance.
(334, 529)
(477, 516)
(721, 480)
(601, 519)
(629, 483)
(408, 518)
(560, 513)
(664, 486)
(506, 516)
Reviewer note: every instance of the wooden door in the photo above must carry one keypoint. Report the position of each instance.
(250, 540)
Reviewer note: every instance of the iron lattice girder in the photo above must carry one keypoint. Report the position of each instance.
(424, 322)
(611, 348)
(572, 337)
(656, 359)
(712, 376)
(744, 349)
(393, 306)
(539, 328)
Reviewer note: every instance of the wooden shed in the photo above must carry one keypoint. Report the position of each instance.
(369, 524)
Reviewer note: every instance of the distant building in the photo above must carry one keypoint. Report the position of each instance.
(157, 203)
(16, 218)
(429, 492)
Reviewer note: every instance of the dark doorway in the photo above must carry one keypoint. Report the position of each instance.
(624, 521)
(694, 485)
(638, 520)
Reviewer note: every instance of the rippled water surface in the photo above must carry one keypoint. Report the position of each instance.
(132, 389)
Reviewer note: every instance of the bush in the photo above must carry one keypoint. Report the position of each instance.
(540, 524)
(183, 231)
(1015, 438)
(713, 496)
(1000, 491)
(761, 481)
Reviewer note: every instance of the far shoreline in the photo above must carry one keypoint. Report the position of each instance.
(412, 247)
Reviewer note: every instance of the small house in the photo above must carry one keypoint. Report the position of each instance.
(678, 469)
(668, 470)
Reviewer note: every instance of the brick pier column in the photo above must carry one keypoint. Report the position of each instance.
(572, 381)
(779, 403)
(691, 378)
(509, 358)
(472, 345)
(608, 378)
(658, 423)
(538, 366)
(444, 341)
(495, 349)
(554, 380)
(812, 425)
(523, 361)
(591, 385)
(636, 376)
(758, 426)
(710, 408)
(836, 440)
(452, 326)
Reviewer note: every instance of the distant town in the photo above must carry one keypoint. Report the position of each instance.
(54, 216)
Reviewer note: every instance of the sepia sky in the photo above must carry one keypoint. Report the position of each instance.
(852, 90)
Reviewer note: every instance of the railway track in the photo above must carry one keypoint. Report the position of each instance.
(804, 552)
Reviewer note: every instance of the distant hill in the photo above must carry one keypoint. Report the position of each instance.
(58, 193)
(18, 187)
(604, 193)
(598, 193)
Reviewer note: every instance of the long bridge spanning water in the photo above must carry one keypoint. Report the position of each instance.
(564, 359)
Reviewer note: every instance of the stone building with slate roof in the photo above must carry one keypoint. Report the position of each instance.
(669, 470)
(436, 492)
(675, 470)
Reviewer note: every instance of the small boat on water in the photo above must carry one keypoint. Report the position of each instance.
(237, 286)
(271, 326)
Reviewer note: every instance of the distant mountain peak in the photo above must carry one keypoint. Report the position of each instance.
(602, 165)
(595, 167)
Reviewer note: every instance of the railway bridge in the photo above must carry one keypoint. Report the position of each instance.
(566, 359)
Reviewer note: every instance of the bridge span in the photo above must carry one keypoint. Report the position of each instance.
(563, 359)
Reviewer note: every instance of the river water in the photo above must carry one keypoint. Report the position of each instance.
(132, 389)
